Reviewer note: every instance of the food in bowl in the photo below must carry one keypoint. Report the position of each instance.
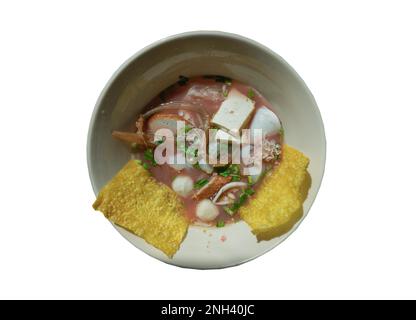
(206, 151)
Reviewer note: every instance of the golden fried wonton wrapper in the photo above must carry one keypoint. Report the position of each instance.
(277, 205)
(134, 200)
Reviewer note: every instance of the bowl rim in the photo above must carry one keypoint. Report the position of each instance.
(220, 34)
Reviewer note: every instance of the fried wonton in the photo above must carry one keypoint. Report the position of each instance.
(134, 200)
(278, 203)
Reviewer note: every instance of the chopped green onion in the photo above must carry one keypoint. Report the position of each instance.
(187, 128)
(236, 205)
(139, 162)
(250, 180)
(146, 166)
(200, 183)
(148, 155)
(229, 211)
(235, 169)
(225, 93)
(243, 198)
(235, 178)
(192, 152)
(159, 142)
(249, 191)
(231, 170)
(220, 224)
(251, 94)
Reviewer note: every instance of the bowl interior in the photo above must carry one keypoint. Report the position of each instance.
(158, 66)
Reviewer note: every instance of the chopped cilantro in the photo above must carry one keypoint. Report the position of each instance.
(146, 166)
(220, 223)
(251, 94)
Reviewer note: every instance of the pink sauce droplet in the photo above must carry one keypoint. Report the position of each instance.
(223, 238)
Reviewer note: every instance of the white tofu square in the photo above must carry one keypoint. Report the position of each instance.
(234, 113)
(223, 136)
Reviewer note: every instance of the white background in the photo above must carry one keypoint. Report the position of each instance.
(357, 57)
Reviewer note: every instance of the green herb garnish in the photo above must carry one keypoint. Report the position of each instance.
(251, 94)
(148, 155)
(146, 166)
(191, 152)
(249, 191)
(229, 211)
(139, 162)
(242, 199)
(187, 128)
(220, 224)
(182, 80)
(200, 183)
(225, 93)
(159, 142)
(239, 202)
(282, 132)
(231, 170)
(250, 180)
(234, 169)
(235, 178)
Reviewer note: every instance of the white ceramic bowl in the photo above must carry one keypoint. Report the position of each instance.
(157, 66)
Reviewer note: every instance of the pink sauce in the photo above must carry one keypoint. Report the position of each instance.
(209, 94)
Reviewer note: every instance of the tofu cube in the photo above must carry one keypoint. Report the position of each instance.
(224, 137)
(234, 113)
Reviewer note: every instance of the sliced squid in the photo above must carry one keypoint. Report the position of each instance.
(228, 186)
